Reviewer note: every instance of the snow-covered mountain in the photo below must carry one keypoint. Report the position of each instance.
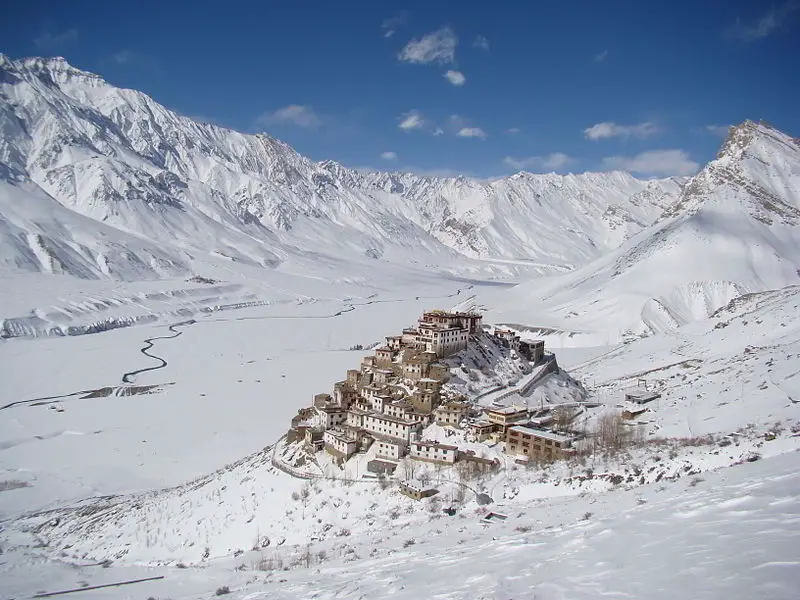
(734, 229)
(99, 181)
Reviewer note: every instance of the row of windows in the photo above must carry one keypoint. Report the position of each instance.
(526, 448)
(536, 440)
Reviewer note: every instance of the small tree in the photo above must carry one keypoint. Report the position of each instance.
(434, 505)
(305, 556)
(305, 494)
(611, 434)
(409, 469)
(563, 417)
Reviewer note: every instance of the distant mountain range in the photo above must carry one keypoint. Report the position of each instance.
(102, 182)
(98, 181)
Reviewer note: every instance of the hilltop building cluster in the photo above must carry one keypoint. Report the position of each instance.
(397, 392)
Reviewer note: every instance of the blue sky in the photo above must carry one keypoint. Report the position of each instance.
(481, 88)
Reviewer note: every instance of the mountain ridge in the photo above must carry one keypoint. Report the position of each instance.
(732, 231)
(117, 156)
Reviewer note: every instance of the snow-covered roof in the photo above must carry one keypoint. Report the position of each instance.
(385, 417)
(541, 433)
(388, 439)
(642, 395)
(454, 405)
(435, 444)
(341, 435)
(506, 410)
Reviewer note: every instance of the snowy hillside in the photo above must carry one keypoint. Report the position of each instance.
(734, 229)
(718, 463)
(176, 193)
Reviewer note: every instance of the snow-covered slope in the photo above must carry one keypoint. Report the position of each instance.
(734, 229)
(188, 191)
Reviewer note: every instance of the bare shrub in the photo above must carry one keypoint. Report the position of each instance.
(221, 591)
(563, 417)
(269, 563)
(470, 470)
(409, 542)
(611, 434)
(409, 469)
(305, 492)
(434, 505)
(304, 558)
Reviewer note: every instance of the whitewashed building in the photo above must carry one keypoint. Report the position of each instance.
(329, 416)
(451, 413)
(434, 452)
(339, 444)
(506, 415)
(389, 448)
(443, 341)
(392, 426)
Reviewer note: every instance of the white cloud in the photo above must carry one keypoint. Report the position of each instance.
(608, 129)
(552, 162)
(392, 24)
(389, 156)
(51, 40)
(769, 22)
(601, 57)
(719, 130)
(455, 77)
(438, 131)
(295, 114)
(513, 130)
(439, 47)
(472, 132)
(481, 42)
(413, 119)
(654, 162)
(122, 57)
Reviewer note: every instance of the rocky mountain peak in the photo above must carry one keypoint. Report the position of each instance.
(746, 174)
(117, 156)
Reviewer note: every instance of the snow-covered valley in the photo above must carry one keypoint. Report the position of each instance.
(145, 475)
(173, 292)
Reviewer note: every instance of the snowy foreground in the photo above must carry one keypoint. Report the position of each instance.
(730, 534)
(138, 483)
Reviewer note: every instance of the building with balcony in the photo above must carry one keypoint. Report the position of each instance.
(504, 416)
(339, 444)
(537, 443)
